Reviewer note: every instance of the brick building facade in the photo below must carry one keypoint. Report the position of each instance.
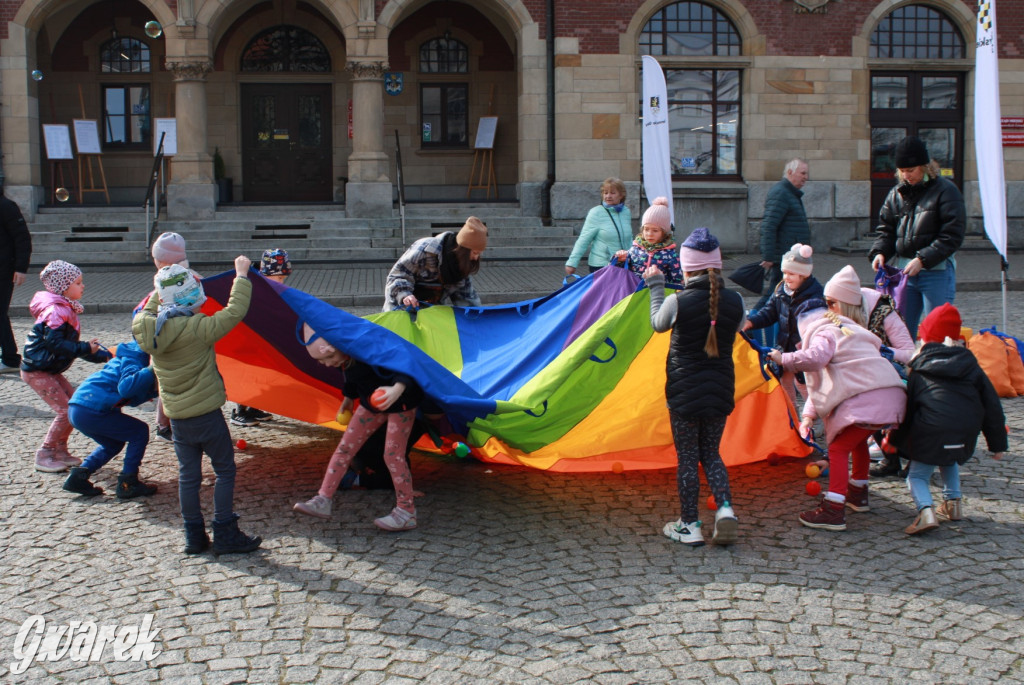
(308, 99)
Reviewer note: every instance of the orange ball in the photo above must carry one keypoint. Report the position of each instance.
(712, 505)
(241, 444)
(377, 397)
(813, 488)
(812, 471)
(616, 467)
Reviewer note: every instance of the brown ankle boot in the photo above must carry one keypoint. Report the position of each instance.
(828, 516)
(950, 509)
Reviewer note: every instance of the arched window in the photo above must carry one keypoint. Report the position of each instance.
(444, 56)
(905, 101)
(286, 49)
(704, 104)
(689, 29)
(124, 56)
(916, 32)
(444, 106)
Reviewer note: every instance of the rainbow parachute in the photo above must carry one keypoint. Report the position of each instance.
(573, 381)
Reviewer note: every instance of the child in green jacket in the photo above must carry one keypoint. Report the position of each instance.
(180, 341)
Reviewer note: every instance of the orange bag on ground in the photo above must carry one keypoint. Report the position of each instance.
(991, 352)
(1015, 366)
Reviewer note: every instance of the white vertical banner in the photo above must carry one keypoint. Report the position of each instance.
(657, 166)
(988, 129)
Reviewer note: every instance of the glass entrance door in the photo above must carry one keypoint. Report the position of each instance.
(928, 105)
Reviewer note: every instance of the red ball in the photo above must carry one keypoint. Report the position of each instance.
(813, 488)
(712, 505)
(377, 398)
(241, 444)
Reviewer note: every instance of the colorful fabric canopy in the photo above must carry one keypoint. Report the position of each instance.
(573, 381)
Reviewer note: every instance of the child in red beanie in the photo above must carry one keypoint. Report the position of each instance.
(950, 401)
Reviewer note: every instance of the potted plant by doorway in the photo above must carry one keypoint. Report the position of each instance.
(224, 185)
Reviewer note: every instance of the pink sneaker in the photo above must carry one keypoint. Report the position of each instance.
(61, 453)
(47, 461)
(398, 519)
(319, 506)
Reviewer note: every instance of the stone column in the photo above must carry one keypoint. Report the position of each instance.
(191, 193)
(369, 192)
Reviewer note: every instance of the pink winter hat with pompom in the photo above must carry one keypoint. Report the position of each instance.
(798, 260)
(658, 215)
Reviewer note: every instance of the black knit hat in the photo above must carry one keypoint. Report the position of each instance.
(911, 152)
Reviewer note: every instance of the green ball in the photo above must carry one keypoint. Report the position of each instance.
(461, 450)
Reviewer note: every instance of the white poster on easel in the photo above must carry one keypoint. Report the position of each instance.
(169, 127)
(485, 133)
(87, 137)
(58, 141)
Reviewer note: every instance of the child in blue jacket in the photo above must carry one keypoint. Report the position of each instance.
(95, 410)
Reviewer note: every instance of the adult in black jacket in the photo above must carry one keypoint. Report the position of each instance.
(949, 401)
(921, 226)
(15, 250)
(704, 318)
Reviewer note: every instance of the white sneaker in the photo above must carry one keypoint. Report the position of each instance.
(9, 369)
(686, 533)
(398, 519)
(319, 506)
(726, 525)
(874, 451)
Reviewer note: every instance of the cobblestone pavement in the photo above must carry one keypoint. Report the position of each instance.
(514, 575)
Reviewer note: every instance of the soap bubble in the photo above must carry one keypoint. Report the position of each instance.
(62, 194)
(37, 75)
(154, 29)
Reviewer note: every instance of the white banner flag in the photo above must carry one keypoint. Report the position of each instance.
(656, 160)
(988, 129)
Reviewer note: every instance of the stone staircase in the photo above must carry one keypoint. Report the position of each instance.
(116, 237)
(973, 242)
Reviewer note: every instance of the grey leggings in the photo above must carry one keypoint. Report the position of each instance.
(697, 442)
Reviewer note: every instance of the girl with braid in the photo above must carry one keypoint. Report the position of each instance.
(700, 380)
(851, 386)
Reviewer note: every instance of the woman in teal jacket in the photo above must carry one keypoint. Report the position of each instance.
(607, 229)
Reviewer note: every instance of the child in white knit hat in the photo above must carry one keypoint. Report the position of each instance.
(796, 287)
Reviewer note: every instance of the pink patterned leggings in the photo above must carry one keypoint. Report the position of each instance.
(55, 391)
(365, 423)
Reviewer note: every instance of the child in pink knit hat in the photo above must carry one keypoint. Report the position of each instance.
(653, 245)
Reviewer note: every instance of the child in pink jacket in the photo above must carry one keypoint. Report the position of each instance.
(851, 387)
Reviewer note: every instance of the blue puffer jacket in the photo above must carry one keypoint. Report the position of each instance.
(52, 343)
(784, 222)
(127, 379)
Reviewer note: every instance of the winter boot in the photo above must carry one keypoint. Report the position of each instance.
(227, 539)
(196, 539)
(61, 453)
(924, 522)
(857, 498)
(889, 466)
(47, 461)
(78, 482)
(828, 516)
(129, 486)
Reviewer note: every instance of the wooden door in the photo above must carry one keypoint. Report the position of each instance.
(286, 143)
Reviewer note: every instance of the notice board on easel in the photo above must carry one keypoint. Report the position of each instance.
(87, 137)
(485, 130)
(58, 141)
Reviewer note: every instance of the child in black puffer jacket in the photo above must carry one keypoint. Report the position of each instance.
(50, 348)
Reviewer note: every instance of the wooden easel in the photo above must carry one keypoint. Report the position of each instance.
(90, 186)
(483, 153)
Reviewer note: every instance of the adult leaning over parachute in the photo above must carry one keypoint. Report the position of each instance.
(573, 381)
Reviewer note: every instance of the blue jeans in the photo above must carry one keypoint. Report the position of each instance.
(919, 476)
(193, 436)
(112, 430)
(926, 291)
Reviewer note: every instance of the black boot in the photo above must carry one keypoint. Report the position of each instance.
(889, 466)
(129, 486)
(78, 482)
(196, 539)
(227, 539)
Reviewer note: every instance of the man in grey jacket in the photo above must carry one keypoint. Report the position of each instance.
(784, 223)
